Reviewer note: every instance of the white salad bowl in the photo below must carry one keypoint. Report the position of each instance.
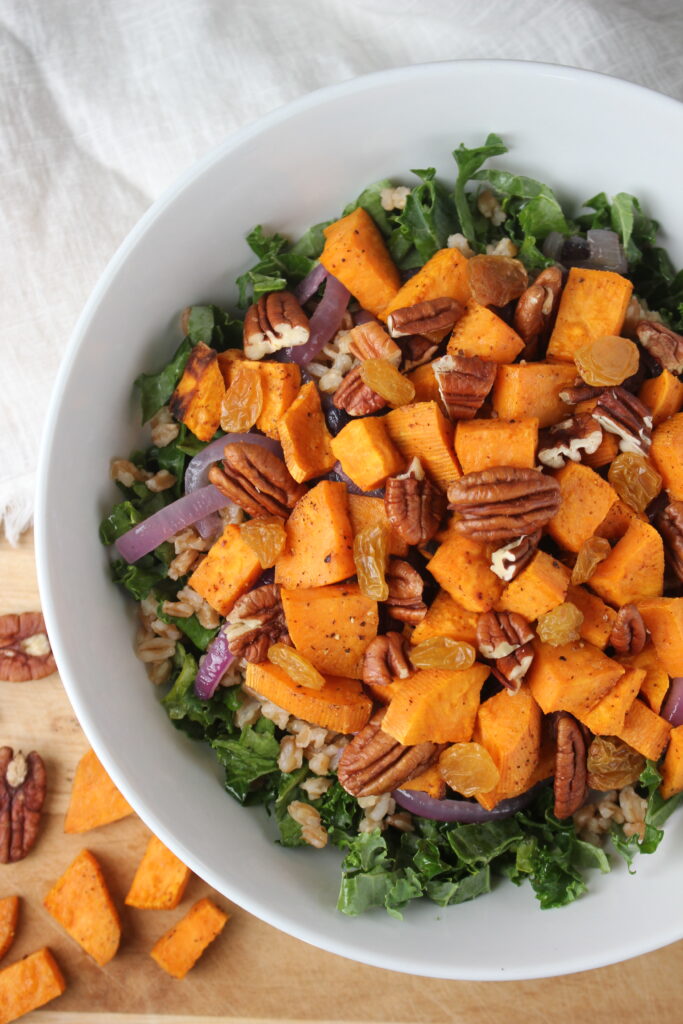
(579, 132)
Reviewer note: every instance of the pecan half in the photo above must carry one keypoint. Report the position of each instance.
(354, 395)
(256, 480)
(23, 785)
(496, 280)
(629, 633)
(501, 633)
(257, 621)
(621, 413)
(503, 502)
(434, 316)
(371, 341)
(670, 525)
(386, 659)
(464, 382)
(579, 392)
(512, 669)
(662, 343)
(580, 434)
(25, 651)
(536, 309)
(414, 506)
(416, 350)
(374, 762)
(276, 321)
(404, 602)
(507, 562)
(570, 785)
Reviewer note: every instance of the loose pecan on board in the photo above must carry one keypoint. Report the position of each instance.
(23, 784)
(25, 651)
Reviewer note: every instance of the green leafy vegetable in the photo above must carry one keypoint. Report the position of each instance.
(214, 326)
(120, 520)
(279, 266)
(311, 243)
(140, 578)
(428, 217)
(201, 719)
(156, 388)
(469, 161)
(248, 760)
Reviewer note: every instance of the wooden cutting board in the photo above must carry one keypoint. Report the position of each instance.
(252, 972)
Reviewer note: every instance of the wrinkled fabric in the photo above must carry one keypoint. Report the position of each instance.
(103, 104)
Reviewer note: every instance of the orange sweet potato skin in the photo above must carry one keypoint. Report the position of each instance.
(9, 915)
(355, 253)
(81, 903)
(95, 800)
(331, 626)
(229, 569)
(196, 401)
(179, 949)
(593, 303)
(28, 984)
(160, 880)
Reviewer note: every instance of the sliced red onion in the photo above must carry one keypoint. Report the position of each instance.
(146, 536)
(354, 488)
(606, 251)
(672, 708)
(463, 811)
(212, 666)
(325, 321)
(363, 316)
(310, 284)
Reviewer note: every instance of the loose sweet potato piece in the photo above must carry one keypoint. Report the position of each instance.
(95, 800)
(462, 567)
(608, 716)
(482, 444)
(229, 569)
(426, 386)
(319, 539)
(593, 304)
(524, 390)
(305, 439)
(81, 903)
(598, 617)
(356, 254)
(672, 765)
(663, 395)
(366, 453)
(664, 619)
(538, 589)
(340, 704)
(422, 431)
(366, 511)
(509, 727)
(431, 783)
(9, 915)
(585, 500)
(618, 519)
(160, 880)
(331, 626)
(179, 949)
(645, 731)
(572, 677)
(446, 617)
(435, 705)
(280, 383)
(28, 984)
(196, 401)
(667, 454)
(655, 685)
(443, 276)
(634, 570)
(481, 333)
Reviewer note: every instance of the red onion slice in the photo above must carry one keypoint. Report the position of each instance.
(363, 316)
(462, 811)
(146, 536)
(213, 666)
(310, 284)
(672, 708)
(325, 321)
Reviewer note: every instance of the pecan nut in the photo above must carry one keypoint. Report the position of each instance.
(571, 774)
(356, 397)
(276, 321)
(405, 584)
(629, 633)
(257, 621)
(621, 413)
(374, 762)
(23, 784)
(371, 341)
(464, 383)
(662, 343)
(434, 316)
(503, 502)
(571, 439)
(670, 525)
(501, 633)
(25, 651)
(507, 562)
(414, 506)
(580, 392)
(496, 280)
(386, 659)
(416, 350)
(512, 669)
(256, 480)
(536, 309)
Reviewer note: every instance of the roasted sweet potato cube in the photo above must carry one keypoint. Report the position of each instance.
(608, 716)
(538, 589)
(319, 539)
(462, 567)
(367, 511)
(305, 439)
(598, 617)
(525, 390)
(480, 332)
(28, 984)
(672, 765)
(227, 360)
(634, 570)
(442, 276)
(606, 452)
(356, 255)
(645, 731)
(426, 386)
(160, 880)
(572, 677)
(663, 395)
(196, 401)
(430, 782)
(664, 619)
(81, 903)
(280, 383)
(422, 431)
(509, 727)
(229, 569)
(94, 800)
(331, 626)
(366, 453)
(482, 444)
(667, 454)
(9, 915)
(435, 705)
(179, 949)
(618, 519)
(585, 500)
(593, 304)
(446, 617)
(654, 687)
(339, 705)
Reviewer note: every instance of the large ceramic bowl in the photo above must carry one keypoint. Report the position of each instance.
(580, 132)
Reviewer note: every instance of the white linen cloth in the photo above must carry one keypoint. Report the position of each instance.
(105, 102)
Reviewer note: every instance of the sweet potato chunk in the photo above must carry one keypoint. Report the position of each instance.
(618, 519)
(608, 716)
(435, 705)
(634, 570)
(366, 453)
(572, 677)
(585, 500)
(319, 539)
(593, 303)
(426, 386)
(331, 626)
(28, 984)
(525, 390)
(340, 704)
(654, 687)
(229, 569)
(645, 731)
(462, 567)
(482, 444)
(196, 401)
(422, 431)
(667, 454)
(480, 332)
(538, 589)
(367, 511)
(446, 617)
(664, 619)
(663, 395)
(160, 880)
(305, 439)
(357, 256)
(81, 903)
(95, 800)
(9, 915)
(179, 949)
(672, 765)
(598, 617)
(430, 782)
(280, 383)
(509, 727)
(443, 276)
(606, 452)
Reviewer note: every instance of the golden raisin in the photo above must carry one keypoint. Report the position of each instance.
(561, 625)
(607, 361)
(243, 401)
(298, 668)
(612, 764)
(443, 652)
(468, 768)
(385, 380)
(266, 536)
(591, 553)
(635, 480)
(371, 553)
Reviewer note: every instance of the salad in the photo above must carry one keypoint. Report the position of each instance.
(407, 542)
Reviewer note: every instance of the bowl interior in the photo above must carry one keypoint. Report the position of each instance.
(577, 131)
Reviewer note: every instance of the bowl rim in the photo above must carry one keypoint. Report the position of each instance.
(626, 947)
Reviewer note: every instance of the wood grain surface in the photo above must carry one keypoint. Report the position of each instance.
(252, 972)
